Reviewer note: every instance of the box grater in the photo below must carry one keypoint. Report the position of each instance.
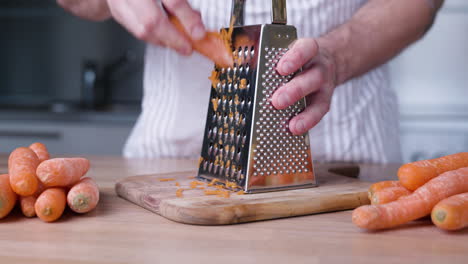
(246, 140)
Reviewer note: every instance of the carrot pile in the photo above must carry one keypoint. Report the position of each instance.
(436, 187)
(43, 186)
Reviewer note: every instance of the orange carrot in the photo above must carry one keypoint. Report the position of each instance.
(22, 165)
(215, 46)
(62, 172)
(40, 150)
(415, 174)
(7, 196)
(83, 196)
(179, 192)
(389, 194)
(27, 205)
(414, 206)
(451, 213)
(166, 179)
(381, 185)
(27, 202)
(50, 204)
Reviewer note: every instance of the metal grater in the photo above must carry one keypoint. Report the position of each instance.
(247, 141)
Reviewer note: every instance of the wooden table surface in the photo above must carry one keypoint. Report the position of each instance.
(120, 232)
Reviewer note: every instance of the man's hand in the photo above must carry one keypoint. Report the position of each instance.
(316, 83)
(147, 20)
(95, 10)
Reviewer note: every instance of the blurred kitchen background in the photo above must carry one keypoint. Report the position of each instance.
(76, 86)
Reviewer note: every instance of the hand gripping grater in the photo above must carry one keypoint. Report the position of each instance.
(247, 141)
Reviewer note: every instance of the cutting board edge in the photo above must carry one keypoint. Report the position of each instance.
(236, 214)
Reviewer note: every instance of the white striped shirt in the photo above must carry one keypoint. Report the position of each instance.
(362, 124)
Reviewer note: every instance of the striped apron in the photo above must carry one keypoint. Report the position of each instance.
(362, 124)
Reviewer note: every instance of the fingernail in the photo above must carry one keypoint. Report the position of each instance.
(287, 67)
(198, 32)
(283, 100)
(300, 126)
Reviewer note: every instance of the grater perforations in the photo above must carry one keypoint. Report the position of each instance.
(247, 141)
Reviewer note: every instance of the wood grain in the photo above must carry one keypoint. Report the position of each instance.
(334, 193)
(120, 232)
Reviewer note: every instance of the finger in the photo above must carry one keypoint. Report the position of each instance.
(190, 19)
(302, 51)
(312, 114)
(300, 86)
(146, 21)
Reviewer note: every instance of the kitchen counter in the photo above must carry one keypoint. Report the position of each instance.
(121, 232)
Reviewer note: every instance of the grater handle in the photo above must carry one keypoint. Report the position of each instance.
(279, 14)
(237, 12)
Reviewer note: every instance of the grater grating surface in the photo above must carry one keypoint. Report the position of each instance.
(247, 141)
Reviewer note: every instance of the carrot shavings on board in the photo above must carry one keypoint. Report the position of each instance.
(194, 184)
(243, 84)
(220, 193)
(213, 182)
(241, 192)
(179, 192)
(177, 184)
(166, 179)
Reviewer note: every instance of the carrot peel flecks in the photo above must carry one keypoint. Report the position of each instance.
(166, 179)
(179, 192)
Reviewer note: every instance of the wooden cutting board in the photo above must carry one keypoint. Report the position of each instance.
(335, 193)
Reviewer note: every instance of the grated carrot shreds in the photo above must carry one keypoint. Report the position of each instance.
(243, 84)
(179, 192)
(213, 181)
(232, 185)
(194, 184)
(211, 192)
(214, 78)
(225, 194)
(191, 177)
(241, 192)
(215, 104)
(201, 187)
(166, 179)
(220, 193)
(177, 184)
